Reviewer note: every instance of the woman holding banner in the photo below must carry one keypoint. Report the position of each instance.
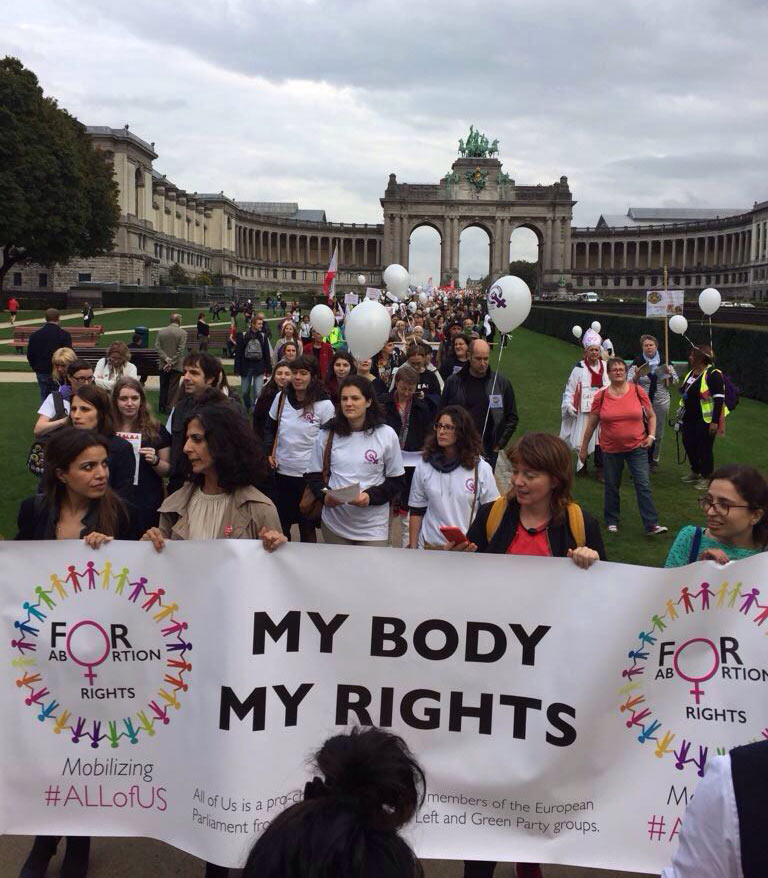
(648, 372)
(76, 503)
(587, 377)
(537, 517)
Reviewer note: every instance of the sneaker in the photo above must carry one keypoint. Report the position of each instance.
(701, 485)
(691, 477)
(655, 530)
(613, 528)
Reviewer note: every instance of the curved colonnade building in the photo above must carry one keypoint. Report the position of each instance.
(269, 247)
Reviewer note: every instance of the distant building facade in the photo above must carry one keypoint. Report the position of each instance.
(270, 247)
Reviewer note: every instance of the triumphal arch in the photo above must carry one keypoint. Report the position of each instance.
(477, 192)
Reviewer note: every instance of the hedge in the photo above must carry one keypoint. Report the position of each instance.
(143, 299)
(741, 353)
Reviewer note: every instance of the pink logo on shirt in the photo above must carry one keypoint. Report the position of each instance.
(470, 485)
(309, 416)
(371, 456)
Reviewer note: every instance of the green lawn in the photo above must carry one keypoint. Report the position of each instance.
(538, 367)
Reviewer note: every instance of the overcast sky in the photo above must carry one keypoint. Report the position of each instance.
(643, 103)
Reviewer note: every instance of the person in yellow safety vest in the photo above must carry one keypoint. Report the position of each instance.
(702, 410)
(336, 338)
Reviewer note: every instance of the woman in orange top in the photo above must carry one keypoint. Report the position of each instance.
(627, 430)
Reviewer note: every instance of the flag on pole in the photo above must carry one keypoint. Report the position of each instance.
(329, 283)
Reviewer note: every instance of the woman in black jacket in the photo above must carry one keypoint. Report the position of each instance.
(76, 503)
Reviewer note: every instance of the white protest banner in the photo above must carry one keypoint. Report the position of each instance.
(373, 293)
(351, 299)
(561, 715)
(664, 303)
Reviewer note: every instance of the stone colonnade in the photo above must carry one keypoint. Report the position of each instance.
(301, 247)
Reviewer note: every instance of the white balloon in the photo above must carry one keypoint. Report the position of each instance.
(367, 329)
(509, 302)
(577, 331)
(412, 307)
(321, 318)
(709, 300)
(423, 298)
(596, 325)
(361, 278)
(678, 324)
(419, 288)
(396, 278)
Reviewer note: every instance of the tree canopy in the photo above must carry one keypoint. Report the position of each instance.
(58, 194)
(528, 271)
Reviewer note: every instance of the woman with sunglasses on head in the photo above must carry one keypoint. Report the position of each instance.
(76, 503)
(736, 510)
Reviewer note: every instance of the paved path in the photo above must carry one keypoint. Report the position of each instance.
(78, 316)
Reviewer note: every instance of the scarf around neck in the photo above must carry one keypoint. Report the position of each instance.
(439, 462)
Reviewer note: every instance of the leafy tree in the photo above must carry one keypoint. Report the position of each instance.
(203, 279)
(528, 271)
(177, 276)
(58, 194)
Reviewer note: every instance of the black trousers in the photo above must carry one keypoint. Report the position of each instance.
(169, 384)
(699, 445)
(479, 868)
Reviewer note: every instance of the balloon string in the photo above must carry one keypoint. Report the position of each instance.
(493, 386)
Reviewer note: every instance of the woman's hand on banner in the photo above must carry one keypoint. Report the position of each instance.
(271, 539)
(155, 536)
(583, 557)
(96, 540)
(714, 555)
(460, 547)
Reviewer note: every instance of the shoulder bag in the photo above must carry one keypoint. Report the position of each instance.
(309, 506)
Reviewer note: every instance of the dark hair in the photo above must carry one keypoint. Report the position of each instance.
(64, 447)
(469, 445)
(702, 355)
(612, 361)
(753, 488)
(347, 824)
(549, 454)
(51, 315)
(77, 365)
(237, 454)
(209, 365)
(465, 338)
(201, 314)
(100, 400)
(374, 415)
(331, 381)
(413, 349)
(305, 362)
(315, 389)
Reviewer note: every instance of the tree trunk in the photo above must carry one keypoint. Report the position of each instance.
(10, 257)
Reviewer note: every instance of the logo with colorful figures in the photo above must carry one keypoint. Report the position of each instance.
(689, 694)
(101, 655)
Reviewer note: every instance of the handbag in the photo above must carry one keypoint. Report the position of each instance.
(280, 407)
(36, 455)
(309, 506)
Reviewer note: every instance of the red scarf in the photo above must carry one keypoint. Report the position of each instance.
(596, 375)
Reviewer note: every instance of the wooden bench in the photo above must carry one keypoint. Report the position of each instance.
(82, 336)
(217, 341)
(144, 359)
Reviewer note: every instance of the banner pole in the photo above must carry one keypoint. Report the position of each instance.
(666, 317)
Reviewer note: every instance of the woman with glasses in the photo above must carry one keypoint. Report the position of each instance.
(627, 430)
(736, 511)
(450, 482)
(55, 407)
(117, 364)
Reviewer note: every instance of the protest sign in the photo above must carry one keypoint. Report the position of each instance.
(135, 440)
(664, 303)
(561, 715)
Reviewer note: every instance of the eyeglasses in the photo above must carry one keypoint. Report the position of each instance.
(87, 380)
(448, 428)
(721, 507)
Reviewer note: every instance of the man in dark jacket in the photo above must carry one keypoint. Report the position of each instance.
(41, 346)
(487, 396)
(252, 361)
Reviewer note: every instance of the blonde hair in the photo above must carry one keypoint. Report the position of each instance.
(63, 357)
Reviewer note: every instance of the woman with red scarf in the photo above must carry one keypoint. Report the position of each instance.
(586, 379)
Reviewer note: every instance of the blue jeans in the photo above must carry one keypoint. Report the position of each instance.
(44, 383)
(248, 382)
(637, 463)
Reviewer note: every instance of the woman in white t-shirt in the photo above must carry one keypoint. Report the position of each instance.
(365, 452)
(450, 482)
(295, 418)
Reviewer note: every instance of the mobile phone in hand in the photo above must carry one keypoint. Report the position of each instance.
(453, 534)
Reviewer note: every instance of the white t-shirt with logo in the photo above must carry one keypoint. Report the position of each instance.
(448, 497)
(367, 458)
(48, 409)
(296, 434)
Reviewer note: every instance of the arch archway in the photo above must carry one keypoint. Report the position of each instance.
(425, 253)
(475, 249)
(526, 246)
